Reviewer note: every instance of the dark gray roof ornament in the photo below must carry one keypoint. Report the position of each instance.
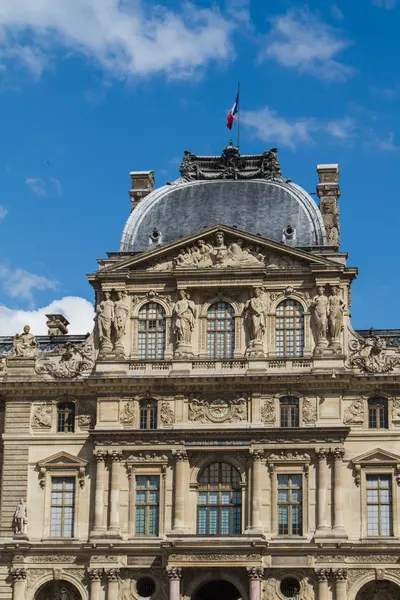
(231, 165)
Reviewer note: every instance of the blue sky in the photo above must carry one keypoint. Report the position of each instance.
(91, 89)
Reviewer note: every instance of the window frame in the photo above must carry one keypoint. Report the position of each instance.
(147, 505)
(65, 412)
(296, 354)
(235, 508)
(381, 411)
(156, 466)
(290, 504)
(63, 505)
(147, 331)
(362, 471)
(229, 347)
(149, 410)
(293, 402)
(379, 504)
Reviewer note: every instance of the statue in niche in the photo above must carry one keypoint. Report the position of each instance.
(320, 312)
(255, 317)
(105, 318)
(21, 518)
(335, 317)
(121, 313)
(184, 314)
(25, 344)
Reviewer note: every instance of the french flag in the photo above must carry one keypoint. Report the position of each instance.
(232, 113)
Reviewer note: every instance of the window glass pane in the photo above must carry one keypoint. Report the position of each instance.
(62, 506)
(147, 504)
(289, 329)
(290, 508)
(220, 491)
(152, 328)
(220, 331)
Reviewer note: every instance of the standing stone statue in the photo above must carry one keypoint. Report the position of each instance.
(320, 313)
(121, 313)
(105, 319)
(255, 315)
(335, 318)
(25, 344)
(184, 314)
(21, 518)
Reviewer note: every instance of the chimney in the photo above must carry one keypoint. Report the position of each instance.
(57, 325)
(142, 186)
(328, 191)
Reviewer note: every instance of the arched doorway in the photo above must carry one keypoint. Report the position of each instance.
(217, 590)
(58, 590)
(379, 590)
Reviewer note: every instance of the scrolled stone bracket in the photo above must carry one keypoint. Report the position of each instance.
(18, 574)
(95, 574)
(112, 574)
(174, 573)
(339, 574)
(255, 573)
(180, 455)
(322, 574)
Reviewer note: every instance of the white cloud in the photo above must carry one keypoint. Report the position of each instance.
(386, 144)
(388, 4)
(18, 283)
(336, 13)
(37, 185)
(57, 184)
(300, 40)
(268, 126)
(78, 311)
(3, 212)
(124, 38)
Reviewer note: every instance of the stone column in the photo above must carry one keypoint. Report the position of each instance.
(95, 576)
(99, 526)
(256, 575)
(179, 491)
(174, 576)
(340, 577)
(322, 578)
(322, 496)
(274, 499)
(256, 491)
(18, 576)
(338, 523)
(113, 584)
(114, 528)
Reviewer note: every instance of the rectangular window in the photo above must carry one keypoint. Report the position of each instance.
(290, 506)
(377, 415)
(62, 506)
(289, 412)
(379, 505)
(147, 504)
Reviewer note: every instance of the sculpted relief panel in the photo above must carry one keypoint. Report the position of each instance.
(217, 410)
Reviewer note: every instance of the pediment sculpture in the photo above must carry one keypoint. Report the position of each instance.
(370, 355)
(217, 254)
(73, 360)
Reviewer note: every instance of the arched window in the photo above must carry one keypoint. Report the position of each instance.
(65, 417)
(289, 408)
(219, 500)
(220, 331)
(148, 414)
(152, 331)
(289, 329)
(377, 413)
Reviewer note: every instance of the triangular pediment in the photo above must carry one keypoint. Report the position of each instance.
(222, 247)
(62, 460)
(376, 456)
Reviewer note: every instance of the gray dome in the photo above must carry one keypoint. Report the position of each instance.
(260, 207)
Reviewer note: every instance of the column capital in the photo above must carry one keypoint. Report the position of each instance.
(257, 453)
(95, 574)
(115, 456)
(180, 455)
(322, 453)
(255, 573)
(174, 573)
(322, 574)
(339, 574)
(338, 453)
(100, 455)
(18, 574)
(112, 574)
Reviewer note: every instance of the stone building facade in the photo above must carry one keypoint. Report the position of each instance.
(223, 433)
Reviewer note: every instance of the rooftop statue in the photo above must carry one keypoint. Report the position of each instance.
(25, 344)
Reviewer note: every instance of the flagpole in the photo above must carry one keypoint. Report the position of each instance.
(238, 129)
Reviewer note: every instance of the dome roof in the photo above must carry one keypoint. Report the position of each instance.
(248, 194)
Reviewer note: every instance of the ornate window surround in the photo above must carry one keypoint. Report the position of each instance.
(289, 462)
(377, 462)
(61, 464)
(393, 419)
(239, 349)
(276, 398)
(51, 427)
(137, 306)
(146, 463)
(300, 297)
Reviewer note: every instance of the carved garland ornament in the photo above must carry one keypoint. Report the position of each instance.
(268, 411)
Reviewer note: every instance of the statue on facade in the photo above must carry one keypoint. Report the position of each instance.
(25, 344)
(184, 314)
(370, 355)
(320, 307)
(21, 518)
(255, 318)
(105, 318)
(121, 313)
(337, 307)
